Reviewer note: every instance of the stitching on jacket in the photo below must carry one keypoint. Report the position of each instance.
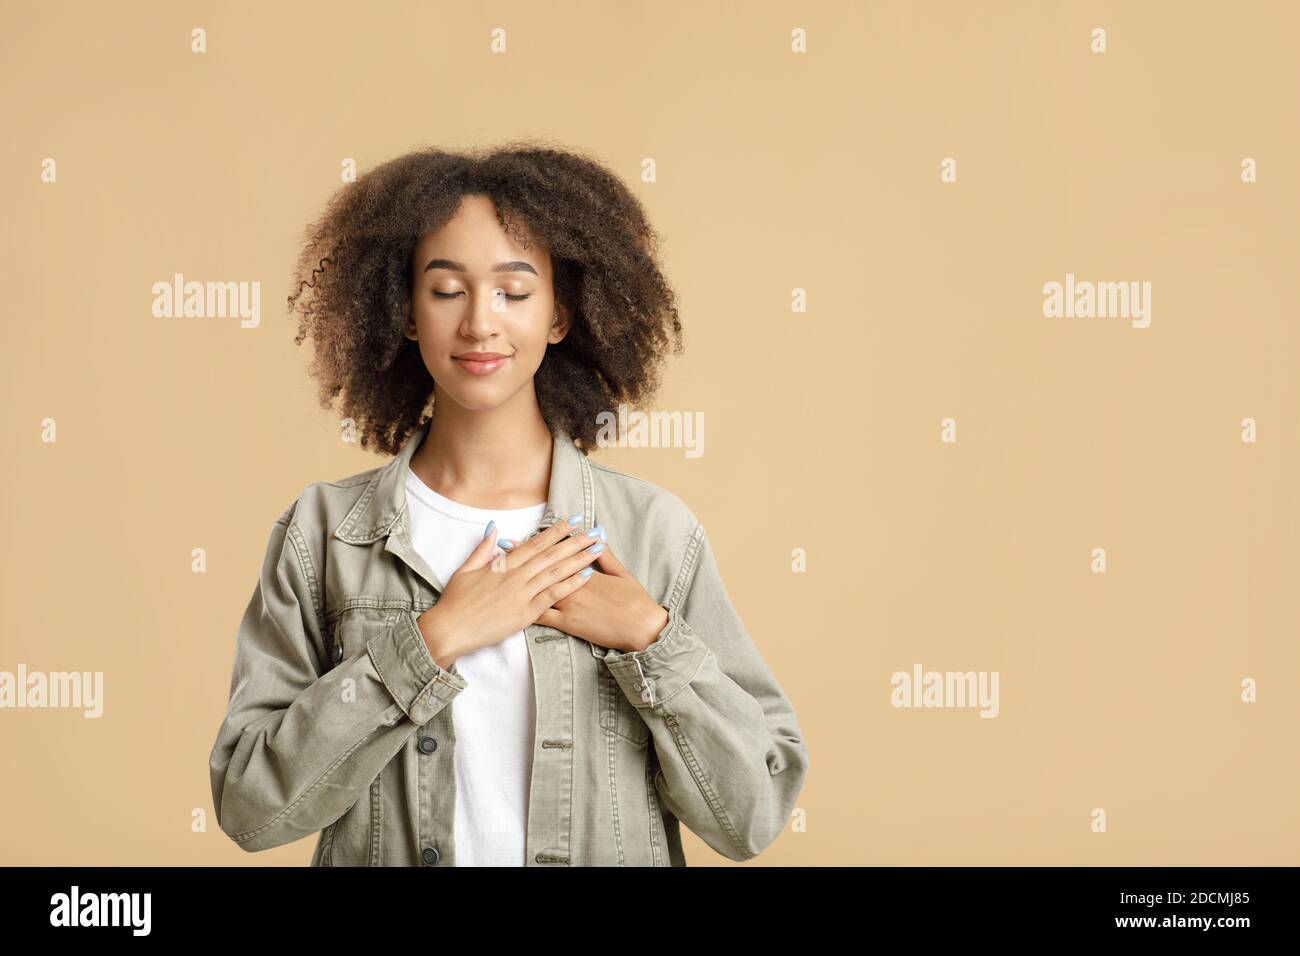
(652, 806)
(246, 835)
(369, 603)
(611, 750)
(327, 844)
(376, 821)
(352, 480)
(440, 676)
(690, 560)
(309, 572)
(328, 855)
(406, 707)
(573, 764)
(588, 504)
(710, 797)
(685, 684)
(666, 645)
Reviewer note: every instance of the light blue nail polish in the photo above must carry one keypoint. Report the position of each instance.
(504, 543)
(585, 573)
(574, 519)
(596, 532)
(603, 536)
(596, 548)
(488, 529)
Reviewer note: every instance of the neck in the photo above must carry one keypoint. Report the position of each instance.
(486, 459)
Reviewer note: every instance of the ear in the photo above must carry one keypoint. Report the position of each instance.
(559, 324)
(408, 324)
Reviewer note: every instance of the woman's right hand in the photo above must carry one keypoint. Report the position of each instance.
(489, 599)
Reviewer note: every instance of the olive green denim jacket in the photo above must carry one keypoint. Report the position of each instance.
(339, 720)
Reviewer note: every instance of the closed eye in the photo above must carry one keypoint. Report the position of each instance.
(452, 295)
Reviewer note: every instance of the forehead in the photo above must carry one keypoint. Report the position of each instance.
(474, 236)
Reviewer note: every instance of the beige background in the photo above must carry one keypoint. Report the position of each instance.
(775, 171)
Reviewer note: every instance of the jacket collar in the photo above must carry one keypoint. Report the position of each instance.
(382, 509)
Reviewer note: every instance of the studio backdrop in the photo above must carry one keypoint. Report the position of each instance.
(989, 396)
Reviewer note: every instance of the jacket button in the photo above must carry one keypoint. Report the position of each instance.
(430, 855)
(428, 745)
(336, 655)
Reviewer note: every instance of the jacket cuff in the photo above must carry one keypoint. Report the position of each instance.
(664, 667)
(401, 658)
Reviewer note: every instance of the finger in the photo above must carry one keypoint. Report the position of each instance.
(609, 564)
(572, 543)
(548, 596)
(555, 565)
(524, 551)
(483, 551)
(551, 618)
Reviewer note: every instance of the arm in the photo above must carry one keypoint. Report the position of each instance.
(298, 746)
(731, 753)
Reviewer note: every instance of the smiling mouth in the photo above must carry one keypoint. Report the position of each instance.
(481, 366)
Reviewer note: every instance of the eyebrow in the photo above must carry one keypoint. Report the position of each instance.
(460, 266)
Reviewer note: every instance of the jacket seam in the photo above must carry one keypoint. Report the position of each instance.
(684, 576)
(652, 805)
(690, 560)
(569, 757)
(710, 796)
(244, 836)
(327, 855)
(614, 471)
(309, 572)
(606, 701)
(376, 821)
(351, 481)
(685, 684)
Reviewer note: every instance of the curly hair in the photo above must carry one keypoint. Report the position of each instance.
(353, 281)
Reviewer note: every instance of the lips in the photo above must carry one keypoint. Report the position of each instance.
(481, 363)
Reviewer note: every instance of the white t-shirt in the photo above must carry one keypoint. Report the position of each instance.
(495, 715)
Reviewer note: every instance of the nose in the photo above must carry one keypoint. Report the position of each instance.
(483, 317)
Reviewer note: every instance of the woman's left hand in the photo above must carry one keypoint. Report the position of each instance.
(612, 609)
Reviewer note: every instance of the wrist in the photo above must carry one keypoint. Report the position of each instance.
(441, 645)
(656, 626)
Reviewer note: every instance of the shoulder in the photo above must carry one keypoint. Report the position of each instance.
(322, 505)
(631, 498)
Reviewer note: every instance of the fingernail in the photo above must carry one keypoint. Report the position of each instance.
(504, 544)
(596, 532)
(489, 527)
(596, 548)
(585, 573)
(574, 519)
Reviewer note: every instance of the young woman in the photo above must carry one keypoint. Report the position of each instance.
(492, 650)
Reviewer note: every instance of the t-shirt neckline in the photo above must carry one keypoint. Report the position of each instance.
(455, 509)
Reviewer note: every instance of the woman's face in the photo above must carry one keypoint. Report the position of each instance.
(482, 308)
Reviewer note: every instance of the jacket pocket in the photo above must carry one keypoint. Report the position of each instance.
(354, 624)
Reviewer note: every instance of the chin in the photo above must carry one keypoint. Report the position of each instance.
(481, 399)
